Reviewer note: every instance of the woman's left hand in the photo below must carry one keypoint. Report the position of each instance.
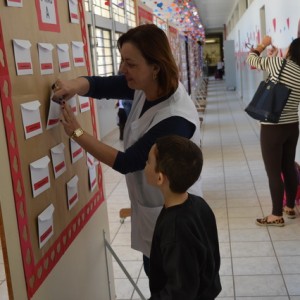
(68, 119)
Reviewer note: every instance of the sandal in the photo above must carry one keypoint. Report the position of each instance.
(264, 222)
(290, 213)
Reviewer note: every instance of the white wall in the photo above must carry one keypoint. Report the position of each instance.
(281, 24)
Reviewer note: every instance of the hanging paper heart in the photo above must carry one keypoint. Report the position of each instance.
(106, 3)
(160, 4)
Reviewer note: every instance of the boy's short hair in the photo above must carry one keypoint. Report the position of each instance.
(180, 160)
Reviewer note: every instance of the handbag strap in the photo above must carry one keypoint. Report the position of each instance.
(280, 71)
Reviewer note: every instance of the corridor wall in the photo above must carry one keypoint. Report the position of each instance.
(282, 23)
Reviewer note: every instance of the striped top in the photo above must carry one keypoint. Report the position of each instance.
(290, 76)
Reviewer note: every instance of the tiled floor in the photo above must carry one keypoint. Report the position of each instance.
(257, 263)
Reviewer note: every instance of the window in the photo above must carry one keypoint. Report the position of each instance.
(104, 59)
(118, 11)
(130, 13)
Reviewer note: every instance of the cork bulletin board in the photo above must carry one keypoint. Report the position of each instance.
(55, 196)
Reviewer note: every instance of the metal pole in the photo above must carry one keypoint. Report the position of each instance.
(113, 253)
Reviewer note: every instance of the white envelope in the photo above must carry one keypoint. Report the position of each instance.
(76, 151)
(90, 160)
(22, 57)
(73, 8)
(45, 225)
(40, 179)
(73, 103)
(93, 177)
(58, 160)
(78, 55)
(72, 191)
(84, 103)
(53, 114)
(31, 118)
(63, 57)
(15, 3)
(45, 56)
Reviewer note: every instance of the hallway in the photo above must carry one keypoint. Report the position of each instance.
(257, 263)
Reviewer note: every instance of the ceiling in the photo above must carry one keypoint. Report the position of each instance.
(214, 13)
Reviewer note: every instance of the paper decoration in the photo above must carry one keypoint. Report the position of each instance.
(73, 103)
(45, 57)
(39, 172)
(14, 3)
(31, 118)
(73, 9)
(22, 57)
(53, 114)
(63, 57)
(72, 192)
(45, 225)
(58, 160)
(78, 56)
(76, 151)
(47, 14)
(84, 103)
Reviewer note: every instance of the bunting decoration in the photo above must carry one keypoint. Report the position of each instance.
(182, 13)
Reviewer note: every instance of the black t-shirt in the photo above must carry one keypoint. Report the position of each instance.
(185, 258)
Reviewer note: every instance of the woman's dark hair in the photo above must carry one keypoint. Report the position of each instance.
(294, 51)
(153, 43)
(180, 160)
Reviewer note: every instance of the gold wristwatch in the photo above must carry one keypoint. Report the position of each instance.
(77, 133)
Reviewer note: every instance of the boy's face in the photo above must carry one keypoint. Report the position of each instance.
(151, 174)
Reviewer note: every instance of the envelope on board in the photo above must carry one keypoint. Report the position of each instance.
(72, 192)
(78, 55)
(39, 171)
(23, 57)
(84, 103)
(76, 151)
(31, 118)
(14, 3)
(63, 57)
(53, 114)
(93, 176)
(73, 8)
(58, 159)
(73, 103)
(45, 225)
(45, 57)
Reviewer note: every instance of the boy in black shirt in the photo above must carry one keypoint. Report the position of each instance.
(185, 258)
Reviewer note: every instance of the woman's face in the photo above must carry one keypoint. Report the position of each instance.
(139, 74)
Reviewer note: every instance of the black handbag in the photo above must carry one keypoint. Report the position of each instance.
(269, 100)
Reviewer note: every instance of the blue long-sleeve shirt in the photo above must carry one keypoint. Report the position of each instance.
(134, 158)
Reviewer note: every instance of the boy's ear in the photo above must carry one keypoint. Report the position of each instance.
(161, 178)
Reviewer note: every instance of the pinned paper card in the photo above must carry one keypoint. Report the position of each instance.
(73, 8)
(92, 164)
(76, 151)
(93, 176)
(53, 114)
(22, 57)
(39, 171)
(72, 192)
(45, 56)
(63, 57)
(73, 103)
(31, 118)
(15, 3)
(58, 159)
(84, 103)
(45, 225)
(78, 54)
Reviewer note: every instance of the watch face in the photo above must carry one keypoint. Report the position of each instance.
(78, 132)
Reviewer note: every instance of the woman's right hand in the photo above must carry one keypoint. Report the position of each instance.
(66, 89)
(267, 40)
